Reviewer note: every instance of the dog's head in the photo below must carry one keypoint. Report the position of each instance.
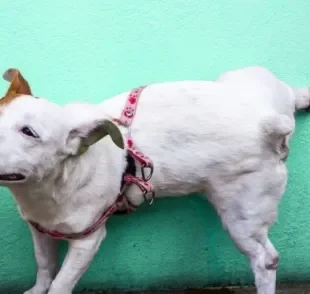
(36, 135)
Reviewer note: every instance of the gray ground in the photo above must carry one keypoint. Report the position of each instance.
(296, 289)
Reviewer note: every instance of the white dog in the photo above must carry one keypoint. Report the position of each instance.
(69, 168)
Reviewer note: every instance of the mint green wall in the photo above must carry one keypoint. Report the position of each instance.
(71, 50)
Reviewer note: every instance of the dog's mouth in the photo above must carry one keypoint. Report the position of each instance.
(12, 177)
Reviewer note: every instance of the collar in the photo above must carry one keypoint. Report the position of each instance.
(121, 206)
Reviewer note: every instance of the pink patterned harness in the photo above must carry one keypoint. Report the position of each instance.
(125, 119)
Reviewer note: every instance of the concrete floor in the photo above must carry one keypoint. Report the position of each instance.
(295, 289)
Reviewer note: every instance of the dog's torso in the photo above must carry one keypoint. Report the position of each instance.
(195, 132)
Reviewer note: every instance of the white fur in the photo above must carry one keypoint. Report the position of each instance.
(227, 138)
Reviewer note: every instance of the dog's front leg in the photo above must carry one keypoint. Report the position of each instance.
(79, 256)
(45, 249)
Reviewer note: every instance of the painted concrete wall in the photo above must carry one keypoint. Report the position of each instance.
(74, 50)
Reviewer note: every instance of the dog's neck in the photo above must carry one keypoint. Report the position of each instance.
(74, 184)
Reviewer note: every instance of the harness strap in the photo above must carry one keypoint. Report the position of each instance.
(126, 120)
(146, 163)
(145, 187)
(122, 204)
(130, 108)
(74, 236)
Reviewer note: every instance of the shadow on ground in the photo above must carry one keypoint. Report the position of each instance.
(283, 289)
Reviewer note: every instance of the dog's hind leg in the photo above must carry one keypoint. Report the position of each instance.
(247, 206)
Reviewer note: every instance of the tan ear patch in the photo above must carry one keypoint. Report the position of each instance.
(19, 85)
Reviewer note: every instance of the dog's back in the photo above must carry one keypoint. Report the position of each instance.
(193, 129)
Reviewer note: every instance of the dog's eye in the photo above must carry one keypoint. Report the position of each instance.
(29, 132)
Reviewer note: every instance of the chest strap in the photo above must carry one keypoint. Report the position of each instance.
(146, 164)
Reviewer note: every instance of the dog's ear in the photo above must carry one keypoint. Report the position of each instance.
(81, 137)
(19, 85)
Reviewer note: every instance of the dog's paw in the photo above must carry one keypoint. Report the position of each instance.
(36, 290)
(58, 291)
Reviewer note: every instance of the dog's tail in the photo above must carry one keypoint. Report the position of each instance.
(276, 131)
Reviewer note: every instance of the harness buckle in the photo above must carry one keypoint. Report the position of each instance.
(143, 168)
(147, 200)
